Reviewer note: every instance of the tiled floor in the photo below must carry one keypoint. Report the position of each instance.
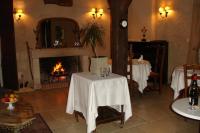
(151, 114)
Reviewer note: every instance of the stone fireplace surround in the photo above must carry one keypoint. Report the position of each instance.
(36, 54)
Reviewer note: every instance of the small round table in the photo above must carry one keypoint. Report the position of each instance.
(182, 107)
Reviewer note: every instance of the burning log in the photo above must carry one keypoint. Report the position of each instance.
(58, 69)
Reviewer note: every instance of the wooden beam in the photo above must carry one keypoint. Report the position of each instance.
(119, 35)
(59, 2)
(8, 50)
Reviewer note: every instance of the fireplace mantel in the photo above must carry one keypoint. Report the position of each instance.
(57, 52)
(36, 54)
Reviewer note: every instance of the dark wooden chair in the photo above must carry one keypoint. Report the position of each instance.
(189, 70)
(129, 75)
(156, 74)
(131, 83)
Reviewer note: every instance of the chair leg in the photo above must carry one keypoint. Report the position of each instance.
(155, 81)
(199, 127)
(131, 89)
(76, 116)
(160, 86)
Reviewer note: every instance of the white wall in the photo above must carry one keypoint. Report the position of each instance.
(139, 15)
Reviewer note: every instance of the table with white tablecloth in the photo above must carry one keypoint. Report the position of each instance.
(177, 83)
(87, 91)
(182, 107)
(140, 71)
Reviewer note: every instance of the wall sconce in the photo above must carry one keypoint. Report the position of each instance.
(164, 11)
(97, 13)
(18, 14)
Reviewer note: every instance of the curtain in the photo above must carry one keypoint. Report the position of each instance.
(194, 44)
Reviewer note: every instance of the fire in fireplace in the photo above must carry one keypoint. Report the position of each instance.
(58, 73)
(58, 69)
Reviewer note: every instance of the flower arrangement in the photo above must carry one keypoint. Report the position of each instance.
(12, 98)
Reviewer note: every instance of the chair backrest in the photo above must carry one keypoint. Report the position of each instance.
(189, 70)
(160, 59)
(129, 69)
(129, 64)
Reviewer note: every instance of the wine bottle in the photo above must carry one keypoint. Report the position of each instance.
(193, 91)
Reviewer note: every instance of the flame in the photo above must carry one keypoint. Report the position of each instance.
(58, 68)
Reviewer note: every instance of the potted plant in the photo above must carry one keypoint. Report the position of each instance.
(93, 35)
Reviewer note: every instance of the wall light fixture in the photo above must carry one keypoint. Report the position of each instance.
(97, 13)
(164, 11)
(18, 14)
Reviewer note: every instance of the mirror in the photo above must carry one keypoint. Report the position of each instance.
(57, 33)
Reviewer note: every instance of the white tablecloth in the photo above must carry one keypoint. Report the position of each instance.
(140, 72)
(177, 83)
(182, 107)
(88, 91)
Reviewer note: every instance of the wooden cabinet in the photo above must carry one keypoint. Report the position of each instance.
(148, 50)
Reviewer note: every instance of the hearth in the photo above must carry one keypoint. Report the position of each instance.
(55, 72)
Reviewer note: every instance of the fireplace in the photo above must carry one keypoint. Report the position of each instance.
(55, 72)
(38, 54)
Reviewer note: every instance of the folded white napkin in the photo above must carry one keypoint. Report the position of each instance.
(141, 58)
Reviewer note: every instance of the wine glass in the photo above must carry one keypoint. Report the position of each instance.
(108, 71)
(102, 72)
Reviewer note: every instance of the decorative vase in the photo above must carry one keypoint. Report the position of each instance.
(97, 63)
(10, 106)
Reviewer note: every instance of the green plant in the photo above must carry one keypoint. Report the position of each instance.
(93, 35)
